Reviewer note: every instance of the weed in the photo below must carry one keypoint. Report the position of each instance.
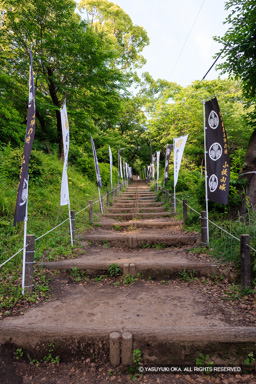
(114, 270)
(105, 244)
(204, 361)
(117, 227)
(76, 274)
(50, 358)
(144, 245)
(158, 246)
(99, 278)
(130, 228)
(19, 353)
(188, 276)
(249, 362)
(129, 279)
(119, 218)
(236, 293)
(134, 369)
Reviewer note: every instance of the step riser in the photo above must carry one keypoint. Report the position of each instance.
(133, 242)
(135, 210)
(167, 349)
(135, 225)
(124, 216)
(155, 272)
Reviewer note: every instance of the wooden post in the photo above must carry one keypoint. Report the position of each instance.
(185, 210)
(204, 228)
(91, 211)
(112, 195)
(126, 347)
(108, 198)
(114, 349)
(245, 258)
(73, 224)
(29, 264)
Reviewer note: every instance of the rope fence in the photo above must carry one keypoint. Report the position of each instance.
(59, 225)
(214, 224)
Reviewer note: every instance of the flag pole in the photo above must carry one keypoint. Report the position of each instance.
(101, 208)
(24, 247)
(70, 224)
(206, 178)
(174, 187)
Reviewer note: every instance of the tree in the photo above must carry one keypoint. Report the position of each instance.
(239, 52)
(70, 61)
(128, 38)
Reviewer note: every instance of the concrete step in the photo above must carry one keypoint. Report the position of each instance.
(125, 240)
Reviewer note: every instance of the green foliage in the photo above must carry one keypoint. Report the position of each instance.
(188, 276)
(136, 358)
(129, 279)
(114, 270)
(204, 361)
(50, 358)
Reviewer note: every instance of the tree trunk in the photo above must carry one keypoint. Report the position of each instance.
(43, 127)
(250, 166)
(55, 100)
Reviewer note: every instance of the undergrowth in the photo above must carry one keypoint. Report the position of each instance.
(44, 213)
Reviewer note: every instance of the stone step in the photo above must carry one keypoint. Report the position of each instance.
(140, 240)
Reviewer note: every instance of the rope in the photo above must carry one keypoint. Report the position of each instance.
(38, 238)
(222, 229)
(82, 210)
(1, 265)
(51, 230)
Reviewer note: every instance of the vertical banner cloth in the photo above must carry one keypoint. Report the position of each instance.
(22, 194)
(121, 170)
(153, 166)
(64, 194)
(97, 169)
(111, 164)
(179, 145)
(167, 159)
(218, 162)
(157, 165)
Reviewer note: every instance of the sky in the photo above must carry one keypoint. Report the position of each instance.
(168, 24)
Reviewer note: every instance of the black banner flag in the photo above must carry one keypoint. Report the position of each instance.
(167, 159)
(218, 162)
(97, 169)
(22, 194)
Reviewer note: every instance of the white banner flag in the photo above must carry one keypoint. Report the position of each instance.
(179, 145)
(126, 169)
(111, 164)
(121, 171)
(64, 195)
(157, 165)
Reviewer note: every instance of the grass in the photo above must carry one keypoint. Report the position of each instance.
(44, 213)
